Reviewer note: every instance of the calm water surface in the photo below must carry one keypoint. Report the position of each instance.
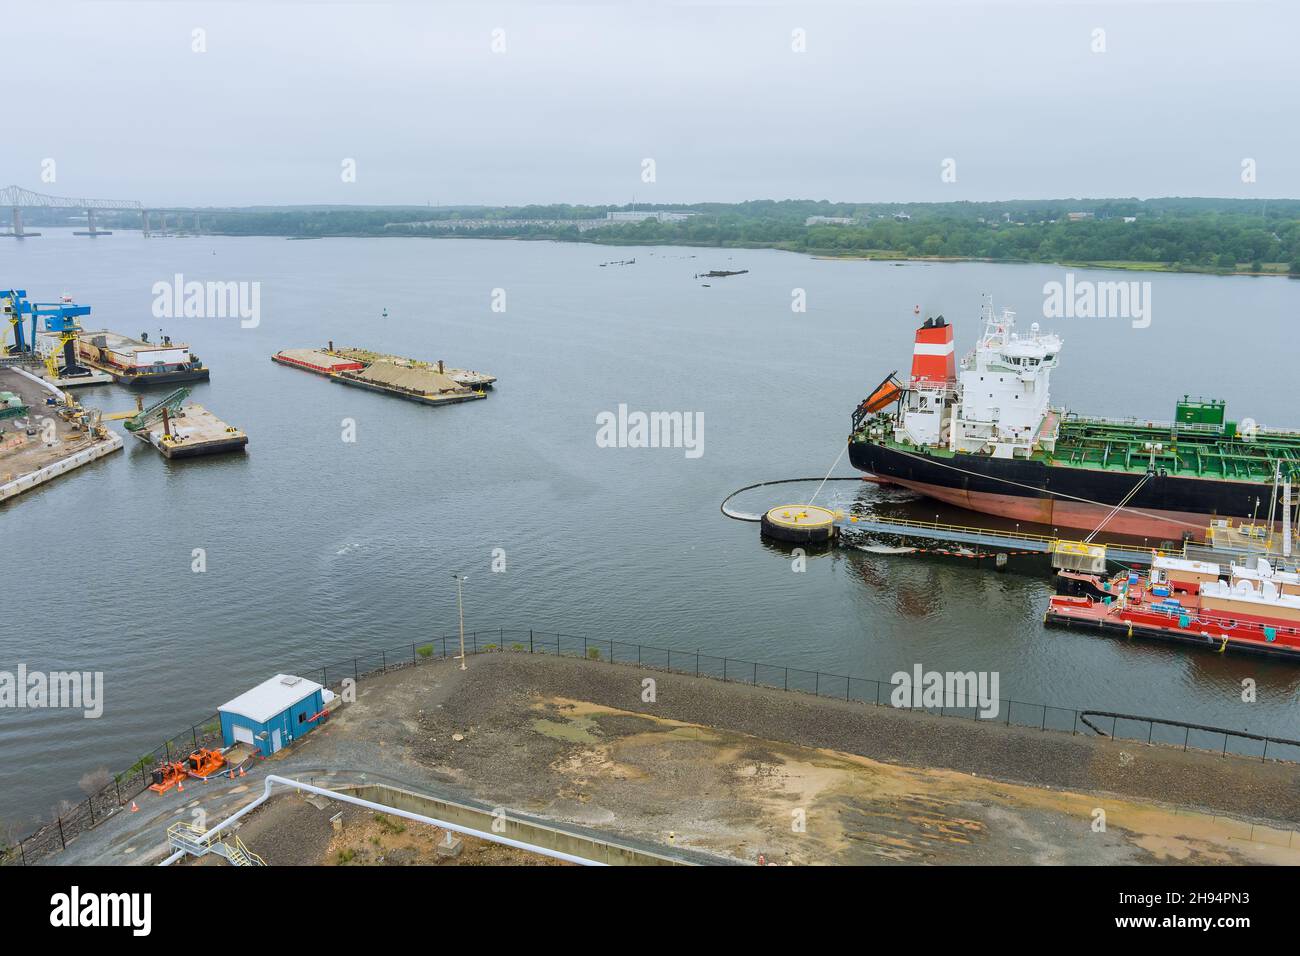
(317, 548)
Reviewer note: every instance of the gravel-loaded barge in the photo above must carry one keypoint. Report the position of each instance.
(424, 382)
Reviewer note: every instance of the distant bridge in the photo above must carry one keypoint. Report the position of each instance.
(18, 199)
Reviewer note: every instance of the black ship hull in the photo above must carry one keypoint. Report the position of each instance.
(1059, 496)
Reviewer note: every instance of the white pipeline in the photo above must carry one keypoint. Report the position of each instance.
(271, 780)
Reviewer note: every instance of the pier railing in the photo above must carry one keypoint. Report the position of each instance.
(127, 786)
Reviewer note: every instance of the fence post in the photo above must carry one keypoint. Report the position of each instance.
(697, 662)
(118, 783)
(90, 802)
(817, 685)
(194, 734)
(444, 646)
(356, 675)
(756, 673)
(62, 839)
(1151, 729)
(611, 650)
(167, 749)
(530, 640)
(413, 660)
(786, 684)
(1187, 732)
(324, 677)
(848, 685)
(724, 668)
(1075, 728)
(383, 656)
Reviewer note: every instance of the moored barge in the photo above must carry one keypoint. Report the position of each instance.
(1253, 607)
(138, 363)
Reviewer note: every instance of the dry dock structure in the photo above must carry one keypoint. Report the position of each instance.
(424, 382)
(40, 441)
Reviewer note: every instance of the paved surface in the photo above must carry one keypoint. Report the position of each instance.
(736, 772)
(21, 455)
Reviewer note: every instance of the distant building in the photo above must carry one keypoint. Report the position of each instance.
(1130, 218)
(1078, 216)
(643, 215)
(902, 217)
(829, 221)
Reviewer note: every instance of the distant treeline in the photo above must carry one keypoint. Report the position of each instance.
(1183, 234)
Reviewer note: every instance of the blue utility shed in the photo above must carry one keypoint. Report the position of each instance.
(274, 713)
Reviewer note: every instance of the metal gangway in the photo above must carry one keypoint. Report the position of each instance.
(985, 537)
(199, 843)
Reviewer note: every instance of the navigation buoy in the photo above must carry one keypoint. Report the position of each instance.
(800, 524)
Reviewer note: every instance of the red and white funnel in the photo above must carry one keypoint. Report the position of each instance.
(933, 358)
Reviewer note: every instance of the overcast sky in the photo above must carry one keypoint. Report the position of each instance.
(714, 93)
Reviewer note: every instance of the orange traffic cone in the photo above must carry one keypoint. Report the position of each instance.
(242, 771)
(134, 808)
(180, 787)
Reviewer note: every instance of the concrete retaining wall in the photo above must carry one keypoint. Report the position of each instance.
(63, 466)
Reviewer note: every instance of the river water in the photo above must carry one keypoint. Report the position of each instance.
(317, 548)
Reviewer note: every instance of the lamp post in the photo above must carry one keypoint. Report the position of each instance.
(460, 610)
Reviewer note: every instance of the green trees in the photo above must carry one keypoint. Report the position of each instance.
(1205, 234)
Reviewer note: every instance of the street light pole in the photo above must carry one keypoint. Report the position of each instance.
(460, 610)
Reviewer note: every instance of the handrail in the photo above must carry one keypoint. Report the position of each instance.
(1199, 617)
(967, 529)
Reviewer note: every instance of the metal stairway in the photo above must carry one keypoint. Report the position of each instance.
(196, 842)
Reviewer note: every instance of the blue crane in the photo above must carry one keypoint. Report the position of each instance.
(16, 306)
(61, 320)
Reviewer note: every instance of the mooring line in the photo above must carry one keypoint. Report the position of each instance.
(828, 473)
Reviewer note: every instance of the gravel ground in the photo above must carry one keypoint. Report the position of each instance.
(718, 768)
(1265, 791)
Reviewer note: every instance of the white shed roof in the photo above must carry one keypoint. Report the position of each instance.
(271, 697)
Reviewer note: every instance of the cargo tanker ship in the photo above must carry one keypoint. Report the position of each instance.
(986, 437)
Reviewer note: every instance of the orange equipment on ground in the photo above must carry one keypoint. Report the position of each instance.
(204, 763)
(167, 775)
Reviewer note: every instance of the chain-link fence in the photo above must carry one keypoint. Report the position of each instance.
(131, 782)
